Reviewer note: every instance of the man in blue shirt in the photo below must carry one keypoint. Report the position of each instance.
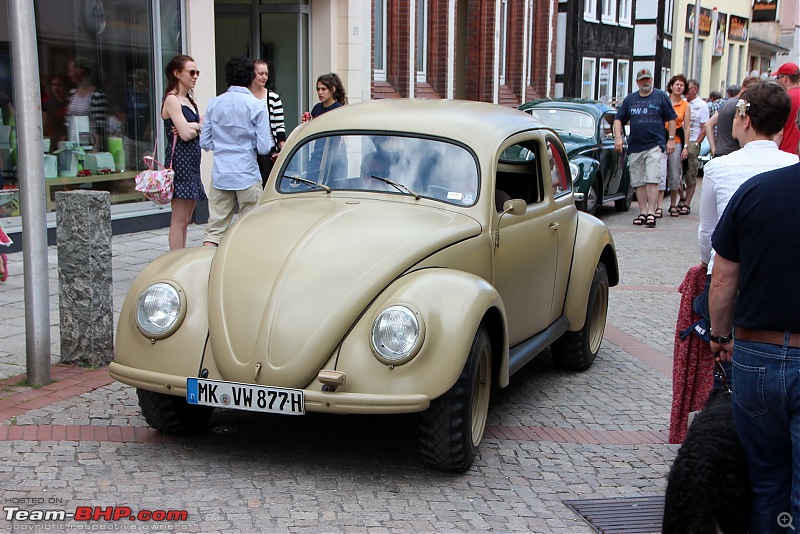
(236, 128)
(647, 110)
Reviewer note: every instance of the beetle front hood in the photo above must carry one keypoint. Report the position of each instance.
(290, 278)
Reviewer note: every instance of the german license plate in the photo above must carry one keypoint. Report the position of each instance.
(244, 396)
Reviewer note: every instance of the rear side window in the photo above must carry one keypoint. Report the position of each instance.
(560, 177)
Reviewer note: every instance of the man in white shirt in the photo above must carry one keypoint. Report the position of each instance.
(761, 112)
(760, 115)
(697, 132)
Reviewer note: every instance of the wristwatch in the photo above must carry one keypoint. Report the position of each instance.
(671, 138)
(721, 340)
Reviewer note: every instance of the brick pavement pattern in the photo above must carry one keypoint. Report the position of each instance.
(551, 436)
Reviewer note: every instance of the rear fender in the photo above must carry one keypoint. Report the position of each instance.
(452, 305)
(593, 244)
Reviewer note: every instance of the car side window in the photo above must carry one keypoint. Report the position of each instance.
(518, 174)
(559, 169)
(608, 126)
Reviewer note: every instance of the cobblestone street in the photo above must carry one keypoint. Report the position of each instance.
(552, 436)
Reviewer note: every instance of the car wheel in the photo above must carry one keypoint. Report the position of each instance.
(452, 427)
(576, 351)
(171, 414)
(589, 204)
(624, 204)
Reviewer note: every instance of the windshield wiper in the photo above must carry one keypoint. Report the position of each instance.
(308, 182)
(399, 187)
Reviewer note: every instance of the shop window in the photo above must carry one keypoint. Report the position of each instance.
(503, 39)
(605, 84)
(529, 44)
(623, 66)
(100, 79)
(625, 12)
(379, 42)
(669, 9)
(421, 41)
(590, 10)
(587, 77)
(609, 11)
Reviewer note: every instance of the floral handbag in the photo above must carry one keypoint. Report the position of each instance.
(155, 182)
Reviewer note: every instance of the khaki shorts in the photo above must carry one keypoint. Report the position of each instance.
(646, 167)
(690, 176)
(221, 205)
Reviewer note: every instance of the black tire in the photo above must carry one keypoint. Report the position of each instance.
(576, 351)
(172, 415)
(624, 204)
(589, 204)
(451, 429)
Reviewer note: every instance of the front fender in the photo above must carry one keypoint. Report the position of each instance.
(589, 168)
(180, 353)
(452, 305)
(593, 244)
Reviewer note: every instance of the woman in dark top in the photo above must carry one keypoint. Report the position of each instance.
(331, 94)
(182, 125)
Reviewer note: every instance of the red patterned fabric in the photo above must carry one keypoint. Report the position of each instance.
(693, 366)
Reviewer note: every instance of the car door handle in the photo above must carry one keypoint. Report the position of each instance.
(553, 226)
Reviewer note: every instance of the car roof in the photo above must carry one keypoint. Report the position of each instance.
(594, 107)
(473, 123)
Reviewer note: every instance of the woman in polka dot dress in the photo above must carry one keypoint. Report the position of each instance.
(182, 119)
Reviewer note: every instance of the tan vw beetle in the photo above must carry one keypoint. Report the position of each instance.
(407, 255)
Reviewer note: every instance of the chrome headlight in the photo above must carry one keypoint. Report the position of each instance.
(396, 335)
(160, 310)
(574, 171)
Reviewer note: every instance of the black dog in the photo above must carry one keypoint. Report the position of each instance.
(708, 485)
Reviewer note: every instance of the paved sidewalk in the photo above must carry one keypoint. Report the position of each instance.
(552, 436)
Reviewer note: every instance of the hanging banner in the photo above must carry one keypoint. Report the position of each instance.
(705, 20)
(765, 10)
(737, 28)
(719, 39)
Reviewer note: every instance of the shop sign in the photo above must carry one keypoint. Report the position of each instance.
(705, 20)
(719, 39)
(737, 28)
(764, 10)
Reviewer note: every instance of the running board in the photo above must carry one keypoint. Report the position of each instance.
(522, 353)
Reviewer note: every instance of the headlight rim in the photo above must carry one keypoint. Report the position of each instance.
(417, 343)
(178, 320)
(575, 171)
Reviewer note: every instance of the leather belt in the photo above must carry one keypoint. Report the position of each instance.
(767, 336)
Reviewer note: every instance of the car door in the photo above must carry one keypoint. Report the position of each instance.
(612, 162)
(525, 255)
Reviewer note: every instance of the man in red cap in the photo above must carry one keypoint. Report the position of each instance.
(788, 76)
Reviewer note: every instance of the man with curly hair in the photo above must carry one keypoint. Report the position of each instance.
(236, 128)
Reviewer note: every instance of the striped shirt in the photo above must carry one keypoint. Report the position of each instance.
(276, 124)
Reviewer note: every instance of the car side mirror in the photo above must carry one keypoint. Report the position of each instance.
(515, 206)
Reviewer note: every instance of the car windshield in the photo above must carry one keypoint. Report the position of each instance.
(422, 168)
(567, 121)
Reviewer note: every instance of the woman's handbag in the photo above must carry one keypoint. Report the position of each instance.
(155, 182)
